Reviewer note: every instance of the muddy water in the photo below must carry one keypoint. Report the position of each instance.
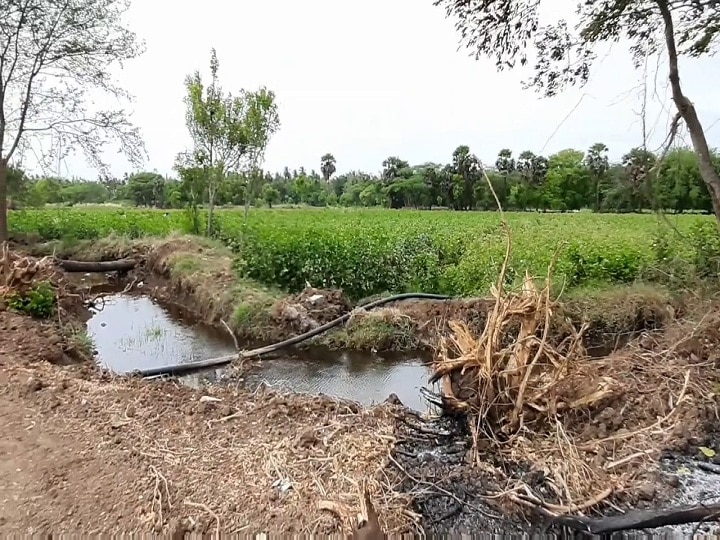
(134, 332)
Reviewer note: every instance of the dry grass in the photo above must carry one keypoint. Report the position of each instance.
(19, 273)
(243, 462)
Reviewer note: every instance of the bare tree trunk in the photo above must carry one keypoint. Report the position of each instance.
(689, 114)
(3, 200)
(211, 211)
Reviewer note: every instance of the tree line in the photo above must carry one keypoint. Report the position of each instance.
(566, 181)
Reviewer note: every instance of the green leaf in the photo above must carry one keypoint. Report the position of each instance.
(707, 452)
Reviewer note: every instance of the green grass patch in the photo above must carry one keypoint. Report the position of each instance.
(39, 302)
(382, 330)
(621, 310)
(252, 312)
(369, 251)
(79, 340)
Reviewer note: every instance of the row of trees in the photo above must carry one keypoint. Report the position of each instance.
(568, 180)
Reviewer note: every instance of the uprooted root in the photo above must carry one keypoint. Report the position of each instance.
(19, 273)
(505, 384)
(582, 425)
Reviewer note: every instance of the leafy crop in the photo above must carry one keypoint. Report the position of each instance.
(368, 252)
(38, 302)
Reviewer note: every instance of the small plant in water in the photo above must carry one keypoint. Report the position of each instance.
(155, 332)
(39, 302)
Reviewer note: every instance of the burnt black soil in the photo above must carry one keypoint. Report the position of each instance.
(435, 457)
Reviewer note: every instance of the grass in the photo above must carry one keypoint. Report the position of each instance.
(204, 270)
(616, 311)
(78, 338)
(155, 333)
(252, 313)
(385, 329)
(365, 252)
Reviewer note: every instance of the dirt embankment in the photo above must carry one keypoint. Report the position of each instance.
(83, 452)
(199, 275)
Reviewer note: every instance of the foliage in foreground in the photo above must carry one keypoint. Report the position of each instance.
(366, 252)
(38, 302)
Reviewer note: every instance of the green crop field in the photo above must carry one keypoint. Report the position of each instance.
(371, 251)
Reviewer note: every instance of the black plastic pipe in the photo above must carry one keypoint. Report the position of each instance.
(180, 369)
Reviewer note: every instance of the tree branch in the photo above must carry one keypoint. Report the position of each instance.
(38, 63)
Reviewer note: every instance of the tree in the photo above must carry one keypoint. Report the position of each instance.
(327, 166)
(598, 164)
(533, 170)
(216, 122)
(146, 189)
(638, 164)
(392, 167)
(270, 195)
(505, 164)
(260, 124)
(568, 180)
(55, 57)
(193, 183)
(17, 185)
(467, 166)
(505, 30)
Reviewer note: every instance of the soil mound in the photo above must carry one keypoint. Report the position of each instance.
(310, 308)
(162, 458)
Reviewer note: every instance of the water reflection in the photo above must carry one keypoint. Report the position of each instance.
(134, 332)
(361, 377)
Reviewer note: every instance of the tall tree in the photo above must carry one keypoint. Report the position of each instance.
(467, 166)
(505, 164)
(568, 180)
(638, 164)
(392, 167)
(55, 57)
(533, 170)
(260, 124)
(598, 164)
(506, 30)
(327, 166)
(678, 184)
(216, 122)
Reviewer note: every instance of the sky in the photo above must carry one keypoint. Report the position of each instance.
(367, 80)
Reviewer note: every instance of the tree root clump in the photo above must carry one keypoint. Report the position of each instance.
(571, 431)
(20, 274)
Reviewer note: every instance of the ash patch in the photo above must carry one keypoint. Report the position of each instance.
(435, 458)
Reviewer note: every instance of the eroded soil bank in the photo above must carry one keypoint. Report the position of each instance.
(84, 452)
(198, 275)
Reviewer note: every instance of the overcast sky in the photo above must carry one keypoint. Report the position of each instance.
(366, 80)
